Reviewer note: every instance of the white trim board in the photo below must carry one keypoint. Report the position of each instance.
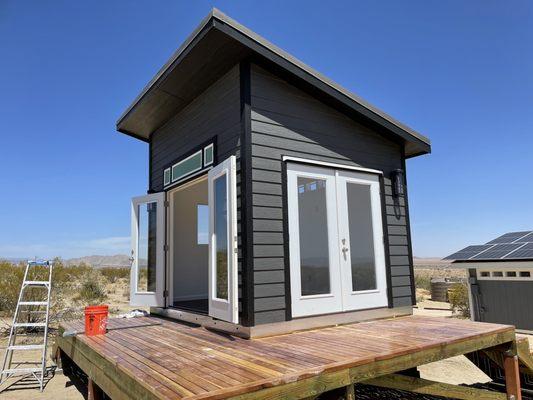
(332, 165)
(500, 264)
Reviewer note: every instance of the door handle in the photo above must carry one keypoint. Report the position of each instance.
(344, 248)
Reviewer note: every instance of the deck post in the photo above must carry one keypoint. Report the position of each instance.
(93, 391)
(512, 376)
(350, 392)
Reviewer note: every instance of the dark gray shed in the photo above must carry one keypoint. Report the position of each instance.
(277, 199)
(500, 279)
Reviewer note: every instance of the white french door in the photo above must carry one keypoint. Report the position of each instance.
(362, 255)
(147, 250)
(223, 275)
(337, 258)
(314, 259)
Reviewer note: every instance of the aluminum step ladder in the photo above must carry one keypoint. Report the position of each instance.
(37, 372)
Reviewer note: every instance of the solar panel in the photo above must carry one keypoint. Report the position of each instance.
(497, 251)
(468, 252)
(509, 237)
(525, 239)
(526, 251)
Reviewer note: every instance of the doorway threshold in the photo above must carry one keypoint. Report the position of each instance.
(203, 320)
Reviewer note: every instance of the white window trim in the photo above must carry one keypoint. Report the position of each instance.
(504, 270)
(332, 165)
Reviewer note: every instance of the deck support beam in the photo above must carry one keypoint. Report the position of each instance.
(424, 386)
(512, 377)
(93, 391)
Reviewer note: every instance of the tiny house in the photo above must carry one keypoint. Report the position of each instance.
(500, 279)
(276, 201)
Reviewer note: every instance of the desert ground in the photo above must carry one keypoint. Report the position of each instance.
(457, 370)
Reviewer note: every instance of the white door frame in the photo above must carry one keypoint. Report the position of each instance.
(155, 298)
(320, 303)
(170, 234)
(225, 309)
(341, 298)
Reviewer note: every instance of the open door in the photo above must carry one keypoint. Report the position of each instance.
(223, 284)
(147, 281)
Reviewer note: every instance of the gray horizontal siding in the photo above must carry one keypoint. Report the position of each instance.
(214, 113)
(287, 121)
(506, 302)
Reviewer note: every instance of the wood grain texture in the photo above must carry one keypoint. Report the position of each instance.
(512, 377)
(424, 386)
(171, 360)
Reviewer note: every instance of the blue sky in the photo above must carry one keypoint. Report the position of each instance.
(459, 72)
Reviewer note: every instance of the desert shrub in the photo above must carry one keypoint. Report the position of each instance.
(92, 290)
(114, 274)
(458, 296)
(126, 293)
(422, 281)
(10, 281)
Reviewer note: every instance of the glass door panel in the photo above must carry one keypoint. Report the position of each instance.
(314, 261)
(362, 257)
(223, 275)
(313, 231)
(147, 250)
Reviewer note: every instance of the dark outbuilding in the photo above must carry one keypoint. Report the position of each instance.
(277, 199)
(500, 279)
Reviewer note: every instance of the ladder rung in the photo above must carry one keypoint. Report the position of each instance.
(36, 283)
(29, 324)
(26, 347)
(33, 303)
(21, 370)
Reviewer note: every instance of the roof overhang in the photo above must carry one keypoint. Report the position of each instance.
(212, 49)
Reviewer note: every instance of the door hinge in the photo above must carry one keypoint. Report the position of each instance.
(166, 248)
(166, 203)
(165, 293)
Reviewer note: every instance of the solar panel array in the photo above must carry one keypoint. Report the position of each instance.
(512, 245)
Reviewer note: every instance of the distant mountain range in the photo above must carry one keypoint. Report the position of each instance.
(430, 262)
(122, 260)
(118, 260)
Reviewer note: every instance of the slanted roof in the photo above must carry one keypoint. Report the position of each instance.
(216, 45)
(509, 246)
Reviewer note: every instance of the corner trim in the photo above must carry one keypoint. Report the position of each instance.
(247, 256)
(409, 241)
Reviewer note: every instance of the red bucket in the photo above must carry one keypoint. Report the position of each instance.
(96, 320)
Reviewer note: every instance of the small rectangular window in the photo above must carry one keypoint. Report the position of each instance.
(191, 164)
(525, 274)
(485, 274)
(202, 223)
(208, 155)
(167, 177)
(510, 274)
(498, 274)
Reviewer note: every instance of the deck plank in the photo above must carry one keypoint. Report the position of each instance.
(171, 360)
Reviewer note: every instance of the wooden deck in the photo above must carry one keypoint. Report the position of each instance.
(169, 360)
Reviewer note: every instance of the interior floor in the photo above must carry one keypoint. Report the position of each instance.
(200, 306)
